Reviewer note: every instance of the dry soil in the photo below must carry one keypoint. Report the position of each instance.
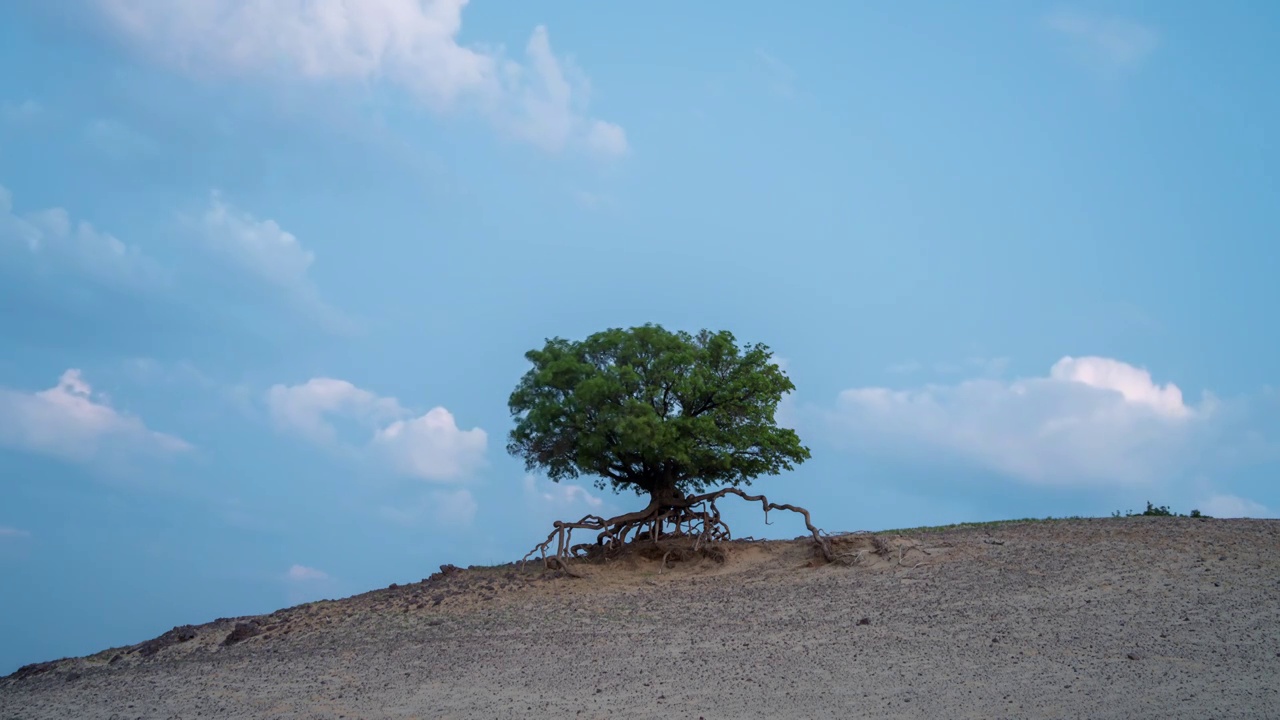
(1125, 617)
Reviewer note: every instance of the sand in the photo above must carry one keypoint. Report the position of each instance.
(1128, 617)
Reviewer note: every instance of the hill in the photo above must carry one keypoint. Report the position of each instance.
(1116, 617)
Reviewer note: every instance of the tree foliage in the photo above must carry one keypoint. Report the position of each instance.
(658, 412)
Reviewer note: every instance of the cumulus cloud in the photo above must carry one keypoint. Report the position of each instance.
(1232, 506)
(1133, 384)
(546, 501)
(306, 409)
(412, 44)
(430, 446)
(50, 239)
(1108, 43)
(72, 422)
(560, 496)
(260, 247)
(302, 573)
(267, 252)
(1092, 420)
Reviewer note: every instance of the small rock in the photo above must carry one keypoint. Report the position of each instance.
(242, 631)
(864, 621)
(1134, 656)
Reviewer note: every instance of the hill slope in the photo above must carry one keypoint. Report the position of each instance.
(1131, 617)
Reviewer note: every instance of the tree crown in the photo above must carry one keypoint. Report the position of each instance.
(653, 410)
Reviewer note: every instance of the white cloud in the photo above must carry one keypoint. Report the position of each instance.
(51, 236)
(408, 43)
(430, 446)
(9, 532)
(785, 416)
(70, 421)
(560, 497)
(305, 409)
(1134, 384)
(1092, 420)
(260, 247)
(1107, 43)
(1231, 506)
(269, 253)
(302, 573)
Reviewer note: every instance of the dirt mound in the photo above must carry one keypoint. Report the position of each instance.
(1150, 617)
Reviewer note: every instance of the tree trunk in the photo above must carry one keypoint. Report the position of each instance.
(663, 493)
(664, 497)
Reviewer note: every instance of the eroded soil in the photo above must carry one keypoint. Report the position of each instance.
(1126, 617)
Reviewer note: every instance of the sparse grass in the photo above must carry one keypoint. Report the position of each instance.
(979, 524)
(1151, 511)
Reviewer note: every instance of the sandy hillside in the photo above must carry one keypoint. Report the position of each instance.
(1133, 617)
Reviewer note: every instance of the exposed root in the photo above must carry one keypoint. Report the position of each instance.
(557, 562)
(881, 546)
(875, 550)
(695, 517)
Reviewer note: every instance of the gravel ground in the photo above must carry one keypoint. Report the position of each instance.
(1124, 618)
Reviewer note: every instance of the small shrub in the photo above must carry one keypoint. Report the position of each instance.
(1158, 511)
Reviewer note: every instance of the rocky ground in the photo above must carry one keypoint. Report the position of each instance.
(1124, 617)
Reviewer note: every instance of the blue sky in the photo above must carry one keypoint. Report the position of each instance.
(268, 272)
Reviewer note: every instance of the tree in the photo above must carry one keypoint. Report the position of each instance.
(664, 414)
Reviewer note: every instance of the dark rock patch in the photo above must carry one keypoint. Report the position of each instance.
(242, 631)
(180, 634)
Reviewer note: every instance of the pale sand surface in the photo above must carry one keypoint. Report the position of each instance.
(1123, 618)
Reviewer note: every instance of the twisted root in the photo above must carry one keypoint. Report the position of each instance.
(694, 517)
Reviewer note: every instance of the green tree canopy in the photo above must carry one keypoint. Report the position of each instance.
(662, 413)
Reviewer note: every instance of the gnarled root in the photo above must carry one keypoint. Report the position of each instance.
(695, 517)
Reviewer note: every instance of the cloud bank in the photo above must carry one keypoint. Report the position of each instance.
(49, 240)
(69, 421)
(1232, 506)
(1090, 421)
(410, 44)
(273, 256)
(429, 446)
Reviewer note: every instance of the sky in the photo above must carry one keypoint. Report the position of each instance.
(268, 271)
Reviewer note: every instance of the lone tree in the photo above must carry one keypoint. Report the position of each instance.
(668, 415)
